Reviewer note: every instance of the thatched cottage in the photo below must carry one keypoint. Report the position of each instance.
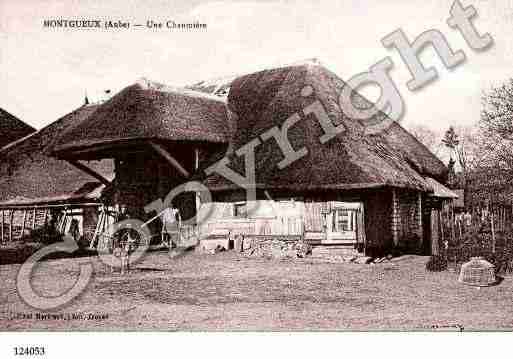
(35, 186)
(370, 192)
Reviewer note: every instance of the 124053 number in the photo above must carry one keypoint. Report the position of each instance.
(29, 351)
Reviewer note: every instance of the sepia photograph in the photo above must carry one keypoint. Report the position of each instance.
(277, 166)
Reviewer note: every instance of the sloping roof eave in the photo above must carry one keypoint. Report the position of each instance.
(319, 187)
(439, 190)
(64, 200)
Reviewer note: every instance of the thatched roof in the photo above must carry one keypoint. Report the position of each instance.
(147, 110)
(29, 176)
(12, 128)
(90, 193)
(440, 191)
(353, 159)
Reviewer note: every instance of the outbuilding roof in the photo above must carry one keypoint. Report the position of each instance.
(12, 128)
(28, 175)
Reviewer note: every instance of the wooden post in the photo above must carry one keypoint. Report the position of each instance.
(34, 218)
(23, 224)
(493, 231)
(501, 214)
(435, 227)
(421, 225)
(198, 198)
(441, 227)
(2, 226)
(60, 225)
(64, 221)
(196, 159)
(451, 222)
(97, 229)
(396, 219)
(503, 218)
(10, 225)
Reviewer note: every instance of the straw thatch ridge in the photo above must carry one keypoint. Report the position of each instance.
(147, 110)
(440, 191)
(350, 160)
(29, 175)
(12, 128)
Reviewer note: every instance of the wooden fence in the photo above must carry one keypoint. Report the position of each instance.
(14, 223)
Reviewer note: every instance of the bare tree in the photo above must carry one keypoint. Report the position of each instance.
(497, 125)
(470, 153)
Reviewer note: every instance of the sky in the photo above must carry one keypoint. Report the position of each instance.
(45, 73)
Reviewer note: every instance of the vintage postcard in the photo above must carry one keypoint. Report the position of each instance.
(255, 166)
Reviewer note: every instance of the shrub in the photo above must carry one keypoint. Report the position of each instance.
(477, 242)
(436, 264)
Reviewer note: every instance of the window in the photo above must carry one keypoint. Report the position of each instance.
(343, 220)
(240, 210)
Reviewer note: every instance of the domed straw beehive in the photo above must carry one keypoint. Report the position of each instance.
(477, 272)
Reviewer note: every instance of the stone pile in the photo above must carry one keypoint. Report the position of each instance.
(274, 247)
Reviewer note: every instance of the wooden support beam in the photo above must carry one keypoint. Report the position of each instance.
(164, 153)
(10, 225)
(64, 222)
(97, 230)
(396, 219)
(421, 224)
(34, 218)
(435, 228)
(2, 226)
(59, 223)
(89, 171)
(196, 167)
(23, 224)
(441, 230)
(493, 231)
(196, 159)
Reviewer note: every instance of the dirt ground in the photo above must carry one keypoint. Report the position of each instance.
(229, 292)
